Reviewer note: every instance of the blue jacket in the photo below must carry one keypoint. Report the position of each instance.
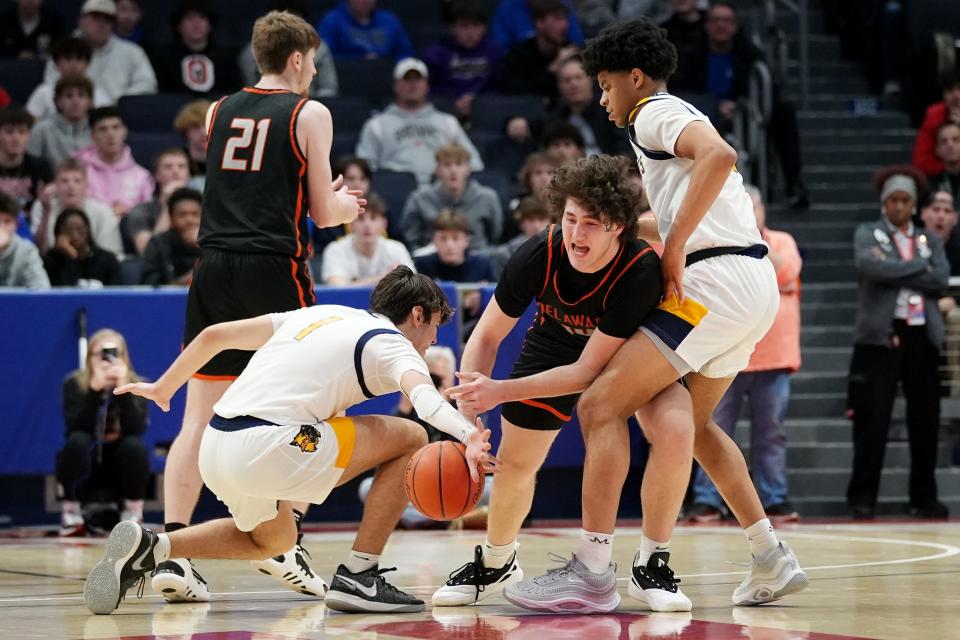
(384, 37)
(512, 23)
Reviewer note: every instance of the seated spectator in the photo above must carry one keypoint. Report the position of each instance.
(365, 255)
(531, 65)
(407, 134)
(170, 256)
(766, 383)
(118, 67)
(69, 191)
(22, 175)
(171, 172)
(454, 189)
(325, 83)
(104, 449)
(356, 174)
(465, 62)
(513, 22)
(657, 11)
(925, 148)
(113, 176)
(579, 107)
(67, 130)
(195, 63)
(71, 56)
(532, 217)
(535, 175)
(940, 217)
(28, 28)
(191, 124)
(75, 260)
(685, 29)
(20, 262)
(358, 29)
(128, 25)
(563, 141)
(898, 337)
(729, 59)
(948, 151)
(452, 260)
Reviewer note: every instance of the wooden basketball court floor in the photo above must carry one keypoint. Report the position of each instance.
(883, 580)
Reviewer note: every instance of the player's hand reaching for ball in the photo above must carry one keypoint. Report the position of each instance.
(478, 446)
(476, 393)
(148, 390)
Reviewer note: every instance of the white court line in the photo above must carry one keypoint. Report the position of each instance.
(946, 551)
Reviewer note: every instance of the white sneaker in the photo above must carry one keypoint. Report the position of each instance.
(177, 581)
(772, 576)
(71, 519)
(293, 572)
(473, 582)
(655, 586)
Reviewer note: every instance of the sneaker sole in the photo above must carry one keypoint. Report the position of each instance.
(346, 603)
(641, 594)
(101, 591)
(290, 579)
(454, 598)
(764, 593)
(175, 589)
(563, 605)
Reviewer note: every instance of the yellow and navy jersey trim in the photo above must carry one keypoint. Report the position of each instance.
(652, 154)
(672, 321)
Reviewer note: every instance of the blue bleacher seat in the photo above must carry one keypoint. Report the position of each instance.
(344, 144)
(393, 187)
(130, 271)
(484, 141)
(498, 180)
(370, 79)
(349, 112)
(20, 77)
(153, 112)
(490, 111)
(145, 145)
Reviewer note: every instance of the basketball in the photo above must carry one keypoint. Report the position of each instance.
(438, 481)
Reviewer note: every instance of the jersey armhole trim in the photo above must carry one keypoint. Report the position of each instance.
(546, 276)
(358, 356)
(613, 283)
(213, 116)
(297, 151)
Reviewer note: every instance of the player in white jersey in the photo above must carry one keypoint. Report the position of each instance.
(720, 297)
(274, 437)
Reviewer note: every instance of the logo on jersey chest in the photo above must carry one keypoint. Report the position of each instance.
(307, 439)
(578, 324)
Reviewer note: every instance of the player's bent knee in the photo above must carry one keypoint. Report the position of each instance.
(675, 434)
(594, 410)
(517, 467)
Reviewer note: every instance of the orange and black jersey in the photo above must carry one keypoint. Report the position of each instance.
(256, 195)
(572, 304)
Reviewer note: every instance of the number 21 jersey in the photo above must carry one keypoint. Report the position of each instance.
(256, 197)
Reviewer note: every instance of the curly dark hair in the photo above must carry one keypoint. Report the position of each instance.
(634, 44)
(601, 185)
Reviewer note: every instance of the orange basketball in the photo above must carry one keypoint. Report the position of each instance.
(438, 481)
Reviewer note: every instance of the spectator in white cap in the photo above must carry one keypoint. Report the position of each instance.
(118, 67)
(406, 135)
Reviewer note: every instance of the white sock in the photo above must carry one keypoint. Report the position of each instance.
(648, 547)
(359, 561)
(761, 537)
(595, 550)
(497, 555)
(161, 551)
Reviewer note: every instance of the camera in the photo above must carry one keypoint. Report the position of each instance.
(109, 353)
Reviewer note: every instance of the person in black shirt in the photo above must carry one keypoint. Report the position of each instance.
(593, 283)
(531, 66)
(75, 259)
(28, 29)
(22, 176)
(170, 256)
(268, 168)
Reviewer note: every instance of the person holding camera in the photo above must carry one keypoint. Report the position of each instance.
(104, 448)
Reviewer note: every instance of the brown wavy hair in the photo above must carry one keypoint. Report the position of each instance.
(601, 185)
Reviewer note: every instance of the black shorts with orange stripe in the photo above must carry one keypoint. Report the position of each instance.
(231, 286)
(541, 414)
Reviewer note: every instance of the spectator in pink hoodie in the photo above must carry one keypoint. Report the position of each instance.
(113, 176)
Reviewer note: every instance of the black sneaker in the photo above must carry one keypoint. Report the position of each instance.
(701, 512)
(368, 592)
(655, 585)
(127, 559)
(929, 510)
(782, 512)
(474, 582)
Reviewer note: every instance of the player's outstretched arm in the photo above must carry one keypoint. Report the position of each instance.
(480, 353)
(247, 335)
(331, 203)
(477, 393)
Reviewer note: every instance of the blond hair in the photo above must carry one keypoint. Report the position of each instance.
(96, 341)
(277, 35)
(193, 114)
(452, 152)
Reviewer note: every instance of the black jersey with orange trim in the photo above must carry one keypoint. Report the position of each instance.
(572, 304)
(256, 195)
